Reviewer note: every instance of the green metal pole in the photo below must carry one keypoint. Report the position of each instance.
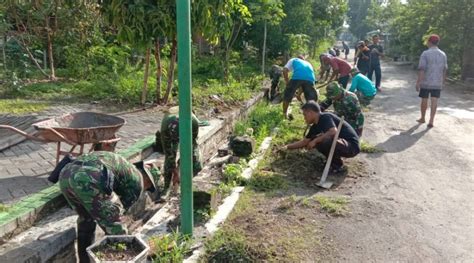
(183, 10)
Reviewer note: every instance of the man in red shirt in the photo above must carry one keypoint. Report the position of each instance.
(340, 69)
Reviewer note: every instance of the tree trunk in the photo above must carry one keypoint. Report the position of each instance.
(264, 46)
(467, 63)
(4, 54)
(52, 75)
(170, 72)
(158, 70)
(145, 79)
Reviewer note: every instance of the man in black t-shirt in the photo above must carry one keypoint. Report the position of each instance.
(322, 132)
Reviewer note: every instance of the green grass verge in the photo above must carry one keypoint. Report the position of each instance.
(19, 106)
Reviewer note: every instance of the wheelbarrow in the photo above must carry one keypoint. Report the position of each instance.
(76, 129)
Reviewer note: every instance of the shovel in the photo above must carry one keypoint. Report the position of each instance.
(322, 182)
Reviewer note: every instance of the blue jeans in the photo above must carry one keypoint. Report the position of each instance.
(378, 74)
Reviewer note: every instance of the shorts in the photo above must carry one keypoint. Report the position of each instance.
(307, 86)
(425, 93)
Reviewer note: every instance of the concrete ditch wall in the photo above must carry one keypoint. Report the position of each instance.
(52, 238)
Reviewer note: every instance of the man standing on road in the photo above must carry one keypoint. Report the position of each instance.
(101, 186)
(345, 104)
(363, 87)
(346, 49)
(362, 59)
(376, 52)
(432, 73)
(340, 69)
(303, 77)
(322, 132)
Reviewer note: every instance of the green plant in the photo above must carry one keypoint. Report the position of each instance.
(170, 248)
(333, 205)
(120, 246)
(4, 208)
(366, 147)
(264, 181)
(232, 174)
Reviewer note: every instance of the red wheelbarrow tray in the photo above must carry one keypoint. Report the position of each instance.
(79, 128)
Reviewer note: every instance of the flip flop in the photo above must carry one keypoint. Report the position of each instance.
(430, 126)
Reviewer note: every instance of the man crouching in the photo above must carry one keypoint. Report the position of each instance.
(322, 132)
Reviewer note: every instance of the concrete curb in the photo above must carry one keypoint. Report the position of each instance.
(26, 248)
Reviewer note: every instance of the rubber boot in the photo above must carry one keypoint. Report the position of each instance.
(85, 238)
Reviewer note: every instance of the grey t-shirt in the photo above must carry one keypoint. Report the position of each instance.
(434, 62)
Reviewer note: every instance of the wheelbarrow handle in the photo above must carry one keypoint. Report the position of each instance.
(60, 135)
(29, 136)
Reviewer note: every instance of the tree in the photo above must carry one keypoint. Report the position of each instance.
(357, 13)
(270, 12)
(138, 23)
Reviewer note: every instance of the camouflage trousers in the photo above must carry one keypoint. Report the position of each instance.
(83, 188)
(364, 100)
(170, 148)
(357, 123)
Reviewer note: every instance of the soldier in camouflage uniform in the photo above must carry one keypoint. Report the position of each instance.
(100, 186)
(345, 104)
(275, 74)
(169, 133)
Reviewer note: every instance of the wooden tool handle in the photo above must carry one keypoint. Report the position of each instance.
(331, 152)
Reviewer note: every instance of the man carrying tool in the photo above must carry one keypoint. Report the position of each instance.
(321, 134)
(363, 87)
(170, 141)
(275, 74)
(340, 69)
(303, 76)
(101, 186)
(345, 104)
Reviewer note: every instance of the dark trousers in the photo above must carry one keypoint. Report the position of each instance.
(344, 148)
(378, 74)
(343, 81)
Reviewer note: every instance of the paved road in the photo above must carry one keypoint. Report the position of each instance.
(25, 166)
(419, 204)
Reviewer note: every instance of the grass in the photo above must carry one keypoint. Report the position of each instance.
(19, 106)
(4, 208)
(170, 248)
(333, 205)
(265, 181)
(366, 147)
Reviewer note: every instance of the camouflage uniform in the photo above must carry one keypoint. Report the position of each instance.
(349, 107)
(100, 186)
(87, 189)
(275, 74)
(170, 142)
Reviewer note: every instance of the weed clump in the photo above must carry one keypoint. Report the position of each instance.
(366, 147)
(333, 205)
(230, 246)
(171, 248)
(265, 181)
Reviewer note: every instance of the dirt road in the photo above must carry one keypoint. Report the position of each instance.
(417, 205)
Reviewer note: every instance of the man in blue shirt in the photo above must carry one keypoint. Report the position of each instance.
(363, 87)
(303, 76)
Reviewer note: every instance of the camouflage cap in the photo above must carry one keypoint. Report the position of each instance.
(144, 170)
(333, 90)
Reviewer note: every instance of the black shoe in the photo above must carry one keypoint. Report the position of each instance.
(338, 170)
